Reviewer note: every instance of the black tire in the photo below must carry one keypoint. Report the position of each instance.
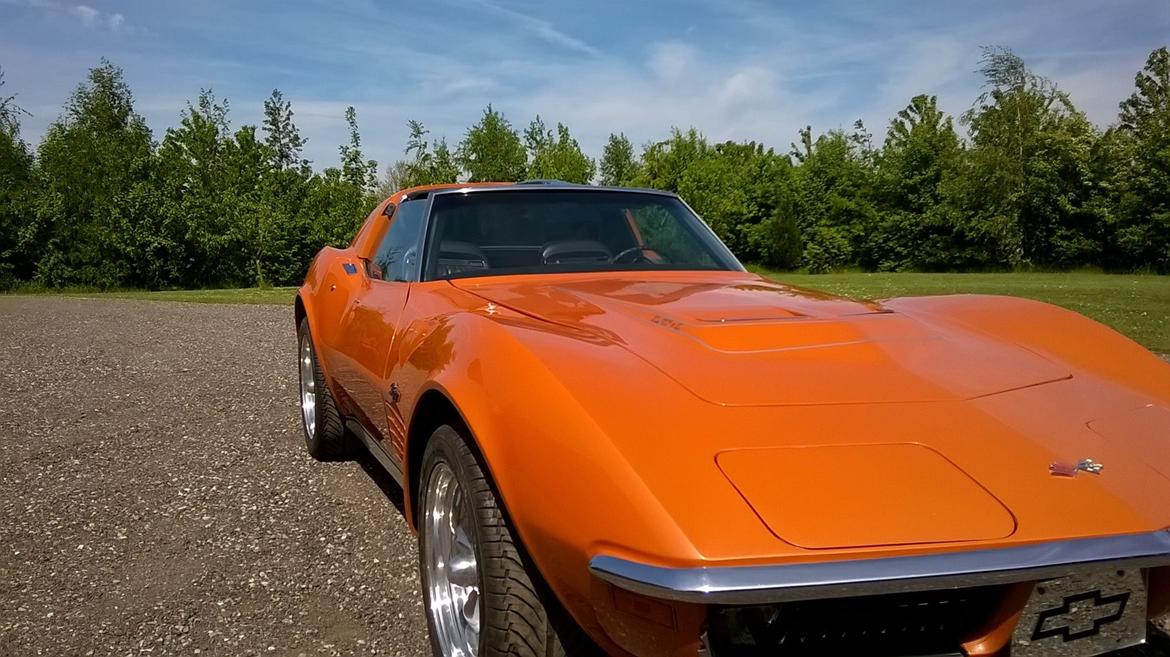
(326, 441)
(519, 615)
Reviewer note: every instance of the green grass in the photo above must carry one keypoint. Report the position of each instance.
(255, 295)
(1136, 305)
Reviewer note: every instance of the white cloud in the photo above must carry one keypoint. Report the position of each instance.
(680, 86)
(86, 14)
(671, 60)
(539, 28)
(83, 13)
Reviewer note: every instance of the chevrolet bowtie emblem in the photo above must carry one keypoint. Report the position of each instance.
(1070, 469)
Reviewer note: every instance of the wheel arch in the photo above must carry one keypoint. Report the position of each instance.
(433, 409)
(299, 311)
(303, 310)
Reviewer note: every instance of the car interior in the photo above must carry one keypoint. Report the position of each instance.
(484, 242)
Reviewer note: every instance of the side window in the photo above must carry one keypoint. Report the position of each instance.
(397, 257)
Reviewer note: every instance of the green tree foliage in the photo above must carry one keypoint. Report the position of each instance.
(556, 155)
(491, 150)
(835, 204)
(921, 154)
(17, 179)
(1027, 191)
(397, 177)
(90, 161)
(359, 172)
(618, 166)
(1141, 187)
(743, 191)
(281, 135)
(428, 167)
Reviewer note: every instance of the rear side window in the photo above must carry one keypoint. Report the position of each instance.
(397, 257)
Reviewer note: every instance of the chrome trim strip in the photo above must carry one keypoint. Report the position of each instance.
(388, 462)
(855, 577)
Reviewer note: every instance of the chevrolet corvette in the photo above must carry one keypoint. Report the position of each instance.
(612, 438)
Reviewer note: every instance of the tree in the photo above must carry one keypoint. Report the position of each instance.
(355, 170)
(491, 150)
(1140, 234)
(427, 167)
(281, 134)
(194, 161)
(743, 191)
(664, 162)
(17, 177)
(396, 178)
(920, 155)
(618, 167)
(556, 156)
(90, 161)
(10, 112)
(1026, 190)
(834, 187)
(537, 137)
(444, 165)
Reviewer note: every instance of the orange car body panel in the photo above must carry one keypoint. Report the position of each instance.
(642, 414)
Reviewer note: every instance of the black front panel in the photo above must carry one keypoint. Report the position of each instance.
(902, 625)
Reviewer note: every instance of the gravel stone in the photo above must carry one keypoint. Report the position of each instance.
(156, 497)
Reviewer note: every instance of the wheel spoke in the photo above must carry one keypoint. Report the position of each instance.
(452, 576)
(308, 382)
(471, 610)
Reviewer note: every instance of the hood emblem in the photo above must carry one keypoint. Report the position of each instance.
(1058, 469)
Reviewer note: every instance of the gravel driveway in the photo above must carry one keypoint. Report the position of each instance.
(156, 498)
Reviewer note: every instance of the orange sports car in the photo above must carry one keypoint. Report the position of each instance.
(611, 437)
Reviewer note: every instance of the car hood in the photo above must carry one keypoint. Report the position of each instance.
(747, 421)
(736, 339)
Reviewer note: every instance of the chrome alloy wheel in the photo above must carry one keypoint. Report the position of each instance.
(308, 386)
(451, 567)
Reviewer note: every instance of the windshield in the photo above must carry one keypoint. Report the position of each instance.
(490, 233)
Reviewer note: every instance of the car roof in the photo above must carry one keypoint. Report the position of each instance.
(423, 191)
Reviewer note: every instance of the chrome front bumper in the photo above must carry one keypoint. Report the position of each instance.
(745, 585)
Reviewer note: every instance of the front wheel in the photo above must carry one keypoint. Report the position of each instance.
(320, 419)
(482, 598)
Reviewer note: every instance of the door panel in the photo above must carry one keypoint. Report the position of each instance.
(365, 344)
(333, 302)
(366, 340)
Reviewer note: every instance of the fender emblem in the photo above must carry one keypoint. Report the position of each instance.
(1058, 469)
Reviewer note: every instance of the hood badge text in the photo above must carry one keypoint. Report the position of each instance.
(1071, 469)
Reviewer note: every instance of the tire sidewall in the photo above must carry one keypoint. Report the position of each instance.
(448, 446)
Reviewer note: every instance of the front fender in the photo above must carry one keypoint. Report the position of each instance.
(1058, 333)
(533, 396)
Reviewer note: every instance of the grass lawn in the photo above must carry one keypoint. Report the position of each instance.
(1138, 306)
(271, 295)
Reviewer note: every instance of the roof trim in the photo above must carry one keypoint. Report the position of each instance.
(542, 187)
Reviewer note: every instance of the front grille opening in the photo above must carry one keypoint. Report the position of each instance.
(896, 625)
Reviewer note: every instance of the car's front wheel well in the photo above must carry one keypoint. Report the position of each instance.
(298, 311)
(433, 410)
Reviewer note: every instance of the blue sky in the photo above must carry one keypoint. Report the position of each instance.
(735, 69)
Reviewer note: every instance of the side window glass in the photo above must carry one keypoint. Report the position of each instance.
(397, 257)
